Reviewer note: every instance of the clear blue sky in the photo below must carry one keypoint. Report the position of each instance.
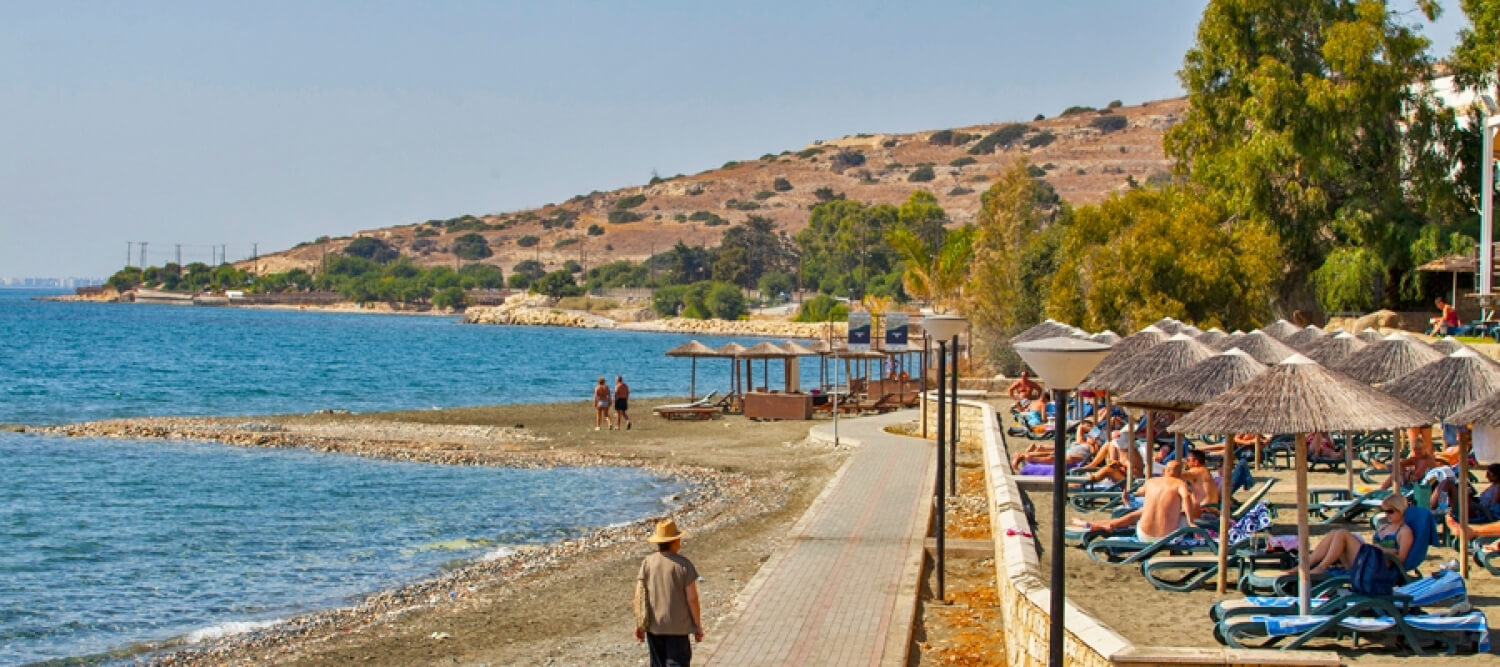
(276, 122)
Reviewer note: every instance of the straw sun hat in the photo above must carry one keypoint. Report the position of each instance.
(666, 531)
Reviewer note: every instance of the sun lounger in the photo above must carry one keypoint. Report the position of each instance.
(1349, 510)
(687, 414)
(1284, 582)
(706, 401)
(1189, 539)
(1366, 618)
(1443, 589)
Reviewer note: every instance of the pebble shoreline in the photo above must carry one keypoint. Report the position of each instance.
(712, 499)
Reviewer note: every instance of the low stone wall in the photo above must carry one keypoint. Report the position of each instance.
(1025, 597)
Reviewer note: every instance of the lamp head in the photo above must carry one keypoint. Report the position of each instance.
(943, 327)
(1062, 362)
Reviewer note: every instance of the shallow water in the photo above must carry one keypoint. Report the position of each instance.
(106, 543)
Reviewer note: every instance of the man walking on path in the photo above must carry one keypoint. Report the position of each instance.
(622, 403)
(666, 601)
(601, 405)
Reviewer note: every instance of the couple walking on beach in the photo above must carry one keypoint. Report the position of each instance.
(666, 605)
(621, 400)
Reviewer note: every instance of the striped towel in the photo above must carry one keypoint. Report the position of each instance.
(1475, 621)
(1445, 588)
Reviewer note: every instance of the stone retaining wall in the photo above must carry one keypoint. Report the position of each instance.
(1025, 597)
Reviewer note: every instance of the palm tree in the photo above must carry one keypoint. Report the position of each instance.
(934, 274)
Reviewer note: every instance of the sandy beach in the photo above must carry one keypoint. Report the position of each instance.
(562, 604)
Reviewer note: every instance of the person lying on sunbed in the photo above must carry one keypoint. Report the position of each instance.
(1167, 504)
(1201, 480)
(1320, 446)
(1076, 453)
(1112, 461)
(1482, 506)
(1340, 546)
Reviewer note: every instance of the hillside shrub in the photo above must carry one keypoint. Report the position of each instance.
(959, 190)
(1040, 139)
(572, 266)
(630, 202)
(373, 249)
(921, 175)
(1035, 171)
(715, 221)
(528, 241)
(1001, 138)
(1070, 111)
(846, 159)
(425, 232)
(562, 219)
(963, 161)
(764, 195)
(620, 217)
(809, 152)
(563, 243)
(595, 230)
(1114, 104)
(1110, 123)
(890, 143)
(781, 184)
(1040, 116)
(731, 164)
(821, 308)
(471, 246)
(950, 138)
(746, 205)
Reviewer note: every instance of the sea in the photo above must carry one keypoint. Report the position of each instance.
(110, 548)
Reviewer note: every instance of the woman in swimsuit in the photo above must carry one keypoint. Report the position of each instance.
(1340, 547)
(601, 405)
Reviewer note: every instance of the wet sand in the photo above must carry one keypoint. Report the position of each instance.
(564, 604)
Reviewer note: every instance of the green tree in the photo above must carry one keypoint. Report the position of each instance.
(933, 273)
(125, 279)
(451, 297)
(373, 249)
(725, 301)
(556, 284)
(750, 249)
(529, 268)
(773, 285)
(472, 246)
(843, 247)
(1302, 115)
(821, 308)
(481, 276)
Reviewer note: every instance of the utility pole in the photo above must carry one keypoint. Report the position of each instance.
(129, 251)
(143, 255)
(255, 258)
(179, 259)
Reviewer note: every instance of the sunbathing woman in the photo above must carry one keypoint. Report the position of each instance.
(1422, 459)
(1340, 546)
(1076, 453)
(1320, 446)
(1041, 452)
(1112, 461)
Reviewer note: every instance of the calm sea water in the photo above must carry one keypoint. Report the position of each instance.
(67, 362)
(106, 544)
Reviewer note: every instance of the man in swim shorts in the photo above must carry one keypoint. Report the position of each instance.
(1169, 505)
(622, 402)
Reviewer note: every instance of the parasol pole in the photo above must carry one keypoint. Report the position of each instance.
(1398, 451)
(1304, 560)
(1349, 462)
(1150, 454)
(1226, 506)
(693, 383)
(1463, 504)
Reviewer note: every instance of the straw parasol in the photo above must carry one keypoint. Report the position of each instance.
(1371, 335)
(1280, 329)
(1392, 357)
(1165, 358)
(1447, 345)
(1305, 339)
(1168, 325)
(1191, 330)
(1212, 337)
(1047, 329)
(693, 349)
(1298, 396)
(733, 351)
(1334, 349)
(796, 349)
(765, 351)
(1262, 346)
(1186, 390)
(1123, 350)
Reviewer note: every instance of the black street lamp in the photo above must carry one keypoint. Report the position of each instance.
(942, 328)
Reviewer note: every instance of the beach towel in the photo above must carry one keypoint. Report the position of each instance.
(1042, 469)
(1254, 520)
(1476, 622)
(1444, 588)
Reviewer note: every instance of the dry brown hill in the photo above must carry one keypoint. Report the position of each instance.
(1085, 160)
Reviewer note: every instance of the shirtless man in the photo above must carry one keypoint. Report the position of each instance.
(1168, 505)
(1201, 480)
(622, 403)
(1112, 460)
(1422, 459)
(1024, 390)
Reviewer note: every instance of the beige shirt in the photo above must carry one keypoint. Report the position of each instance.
(666, 577)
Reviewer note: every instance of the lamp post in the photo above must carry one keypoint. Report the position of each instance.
(942, 328)
(1062, 363)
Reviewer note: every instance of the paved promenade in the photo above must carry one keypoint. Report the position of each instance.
(841, 590)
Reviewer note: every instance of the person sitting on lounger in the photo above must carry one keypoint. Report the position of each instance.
(1168, 505)
(1112, 461)
(1201, 480)
(1482, 506)
(1340, 546)
(1447, 320)
(1024, 391)
(1320, 446)
(1421, 460)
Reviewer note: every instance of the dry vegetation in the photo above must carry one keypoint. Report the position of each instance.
(1084, 158)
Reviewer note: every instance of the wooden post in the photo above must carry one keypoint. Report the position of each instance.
(1349, 462)
(1396, 452)
(693, 384)
(1304, 552)
(1226, 506)
(1463, 504)
(1150, 455)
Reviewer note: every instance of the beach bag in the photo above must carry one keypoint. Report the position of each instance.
(1372, 574)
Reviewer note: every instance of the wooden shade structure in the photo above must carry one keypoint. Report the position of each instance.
(1305, 339)
(733, 352)
(1336, 348)
(693, 349)
(1260, 345)
(765, 351)
(1298, 396)
(1392, 357)
(1123, 350)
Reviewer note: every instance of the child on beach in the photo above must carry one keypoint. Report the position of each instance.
(601, 405)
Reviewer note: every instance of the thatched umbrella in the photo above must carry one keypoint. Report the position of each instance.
(1260, 345)
(1392, 357)
(1447, 345)
(1107, 337)
(1191, 330)
(1336, 348)
(765, 351)
(1189, 388)
(1168, 357)
(693, 349)
(1280, 329)
(799, 350)
(1305, 339)
(1120, 352)
(1370, 335)
(1442, 388)
(1168, 325)
(1047, 329)
(733, 352)
(1212, 337)
(1299, 397)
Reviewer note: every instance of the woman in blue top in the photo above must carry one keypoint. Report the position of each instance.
(1338, 549)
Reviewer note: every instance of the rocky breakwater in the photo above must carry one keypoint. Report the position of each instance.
(534, 310)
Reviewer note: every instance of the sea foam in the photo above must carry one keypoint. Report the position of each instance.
(227, 629)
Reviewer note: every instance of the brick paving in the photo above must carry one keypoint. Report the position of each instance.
(841, 590)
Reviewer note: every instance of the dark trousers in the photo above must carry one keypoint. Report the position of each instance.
(670, 650)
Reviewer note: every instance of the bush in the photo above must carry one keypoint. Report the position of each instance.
(556, 284)
(563, 218)
(826, 194)
(451, 297)
(959, 190)
(530, 268)
(726, 301)
(1114, 104)
(667, 301)
(731, 164)
(572, 266)
(1035, 171)
(620, 217)
(481, 276)
(595, 230)
(921, 175)
(764, 195)
(809, 152)
(471, 246)
(1077, 110)
(425, 232)
(821, 308)
(846, 159)
(373, 249)
(1001, 138)
(781, 184)
(528, 241)
(1040, 116)
(563, 243)
(630, 202)
(963, 161)
(1040, 139)
(741, 205)
(950, 138)
(715, 221)
(773, 284)
(1110, 123)
(889, 143)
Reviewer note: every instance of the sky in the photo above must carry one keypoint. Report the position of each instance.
(261, 125)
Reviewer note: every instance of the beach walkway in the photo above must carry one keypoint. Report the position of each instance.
(841, 589)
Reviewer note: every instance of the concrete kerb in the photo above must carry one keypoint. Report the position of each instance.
(1025, 595)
